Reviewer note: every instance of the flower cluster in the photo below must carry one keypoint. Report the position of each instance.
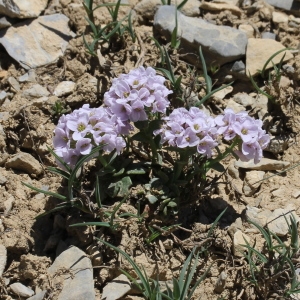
(134, 94)
(189, 128)
(253, 138)
(77, 133)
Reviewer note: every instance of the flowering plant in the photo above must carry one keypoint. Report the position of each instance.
(183, 142)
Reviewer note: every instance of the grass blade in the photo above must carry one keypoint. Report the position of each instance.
(56, 195)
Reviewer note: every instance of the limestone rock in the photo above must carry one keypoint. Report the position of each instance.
(243, 99)
(25, 162)
(3, 259)
(252, 182)
(64, 88)
(257, 215)
(28, 41)
(239, 240)
(218, 7)
(248, 29)
(291, 5)
(278, 144)
(220, 95)
(80, 285)
(148, 8)
(259, 51)
(265, 164)
(279, 17)
(117, 288)
(220, 44)
(277, 221)
(236, 107)
(21, 290)
(38, 296)
(36, 91)
(22, 8)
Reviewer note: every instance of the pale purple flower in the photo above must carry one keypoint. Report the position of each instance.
(84, 146)
(206, 145)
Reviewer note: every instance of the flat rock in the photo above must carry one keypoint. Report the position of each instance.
(21, 290)
(6, 22)
(279, 17)
(291, 5)
(80, 285)
(257, 215)
(218, 7)
(277, 221)
(64, 88)
(148, 8)
(265, 164)
(236, 107)
(30, 76)
(278, 144)
(252, 182)
(243, 99)
(38, 296)
(220, 44)
(3, 259)
(22, 8)
(25, 162)
(117, 288)
(36, 91)
(28, 42)
(260, 50)
(239, 240)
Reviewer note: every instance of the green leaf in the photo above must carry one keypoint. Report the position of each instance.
(215, 223)
(78, 165)
(63, 163)
(102, 224)
(140, 137)
(56, 195)
(218, 167)
(119, 188)
(145, 284)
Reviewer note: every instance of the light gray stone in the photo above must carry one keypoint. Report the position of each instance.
(291, 5)
(22, 8)
(239, 240)
(278, 144)
(25, 162)
(243, 99)
(6, 22)
(238, 66)
(3, 95)
(268, 35)
(30, 76)
(29, 43)
(3, 259)
(80, 285)
(265, 164)
(21, 290)
(148, 8)
(252, 182)
(14, 84)
(38, 296)
(257, 215)
(36, 91)
(64, 88)
(117, 288)
(280, 218)
(220, 44)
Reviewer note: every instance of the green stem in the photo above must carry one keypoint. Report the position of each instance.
(179, 165)
(221, 156)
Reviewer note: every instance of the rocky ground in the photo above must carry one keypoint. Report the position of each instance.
(43, 60)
